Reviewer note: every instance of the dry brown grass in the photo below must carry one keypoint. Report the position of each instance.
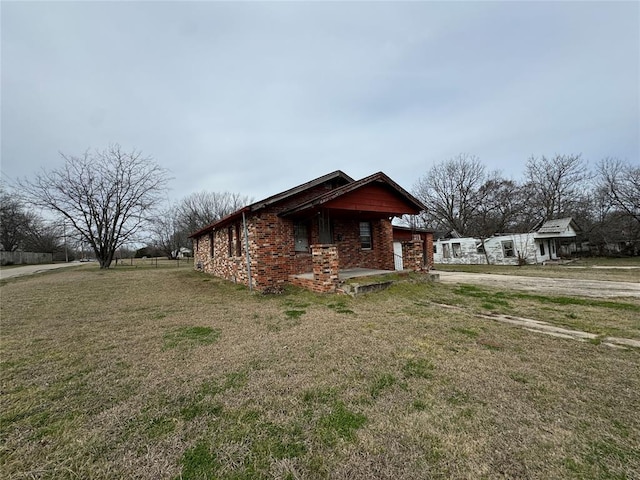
(167, 373)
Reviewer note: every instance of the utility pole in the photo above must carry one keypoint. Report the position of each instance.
(64, 234)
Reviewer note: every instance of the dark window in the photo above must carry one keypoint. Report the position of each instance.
(211, 237)
(325, 230)
(365, 235)
(238, 241)
(435, 248)
(507, 248)
(230, 240)
(541, 248)
(301, 237)
(456, 249)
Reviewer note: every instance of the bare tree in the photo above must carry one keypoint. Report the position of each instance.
(202, 208)
(168, 233)
(15, 221)
(106, 196)
(500, 204)
(620, 183)
(450, 190)
(43, 236)
(617, 188)
(555, 186)
(172, 228)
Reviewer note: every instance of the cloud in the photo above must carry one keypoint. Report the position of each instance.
(258, 97)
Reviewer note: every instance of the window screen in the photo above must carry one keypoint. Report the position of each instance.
(365, 235)
(301, 237)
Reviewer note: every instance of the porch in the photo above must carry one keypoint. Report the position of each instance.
(327, 274)
(348, 273)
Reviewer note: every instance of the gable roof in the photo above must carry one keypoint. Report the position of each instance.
(557, 226)
(377, 178)
(349, 185)
(337, 175)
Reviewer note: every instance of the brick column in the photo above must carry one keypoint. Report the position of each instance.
(384, 246)
(429, 248)
(412, 255)
(325, 267)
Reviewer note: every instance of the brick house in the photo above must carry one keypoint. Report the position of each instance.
(306, 235)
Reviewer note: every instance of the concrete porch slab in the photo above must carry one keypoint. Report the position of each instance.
(349, 273)
(361, 272)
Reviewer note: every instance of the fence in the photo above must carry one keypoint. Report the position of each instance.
(24, 258)
(154, 262)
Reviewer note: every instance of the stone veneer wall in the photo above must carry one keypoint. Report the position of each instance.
(220, 264)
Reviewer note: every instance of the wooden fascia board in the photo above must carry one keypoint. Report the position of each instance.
(338, 192)
(254, 207)
(300, 188)
(220, 223)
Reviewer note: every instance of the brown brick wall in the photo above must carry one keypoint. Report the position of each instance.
(307, 283)
(413, 255)
(347, 238)
(272, 249)
(429, 250)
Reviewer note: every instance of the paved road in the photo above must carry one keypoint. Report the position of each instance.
(31, 269)
(557, 286)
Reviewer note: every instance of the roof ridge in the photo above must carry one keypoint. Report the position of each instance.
(276, 198)
(303, 186)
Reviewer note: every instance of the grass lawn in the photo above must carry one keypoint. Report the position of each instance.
(165, 373)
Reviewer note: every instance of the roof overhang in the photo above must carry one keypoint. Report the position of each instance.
(403, 228)
(558, 227)
(376, 195)
(233, 217)
(555, 235)
(338, 177)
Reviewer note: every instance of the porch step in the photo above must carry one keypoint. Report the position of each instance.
(354, 289)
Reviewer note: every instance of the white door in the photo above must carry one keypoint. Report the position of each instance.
(397, 255)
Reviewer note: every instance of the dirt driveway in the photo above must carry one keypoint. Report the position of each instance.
(553, 286)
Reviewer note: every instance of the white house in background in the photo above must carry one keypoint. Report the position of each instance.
(558, 237)
(553, 239)
(182, 252)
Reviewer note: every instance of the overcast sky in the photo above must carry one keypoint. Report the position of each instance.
(259, 97)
